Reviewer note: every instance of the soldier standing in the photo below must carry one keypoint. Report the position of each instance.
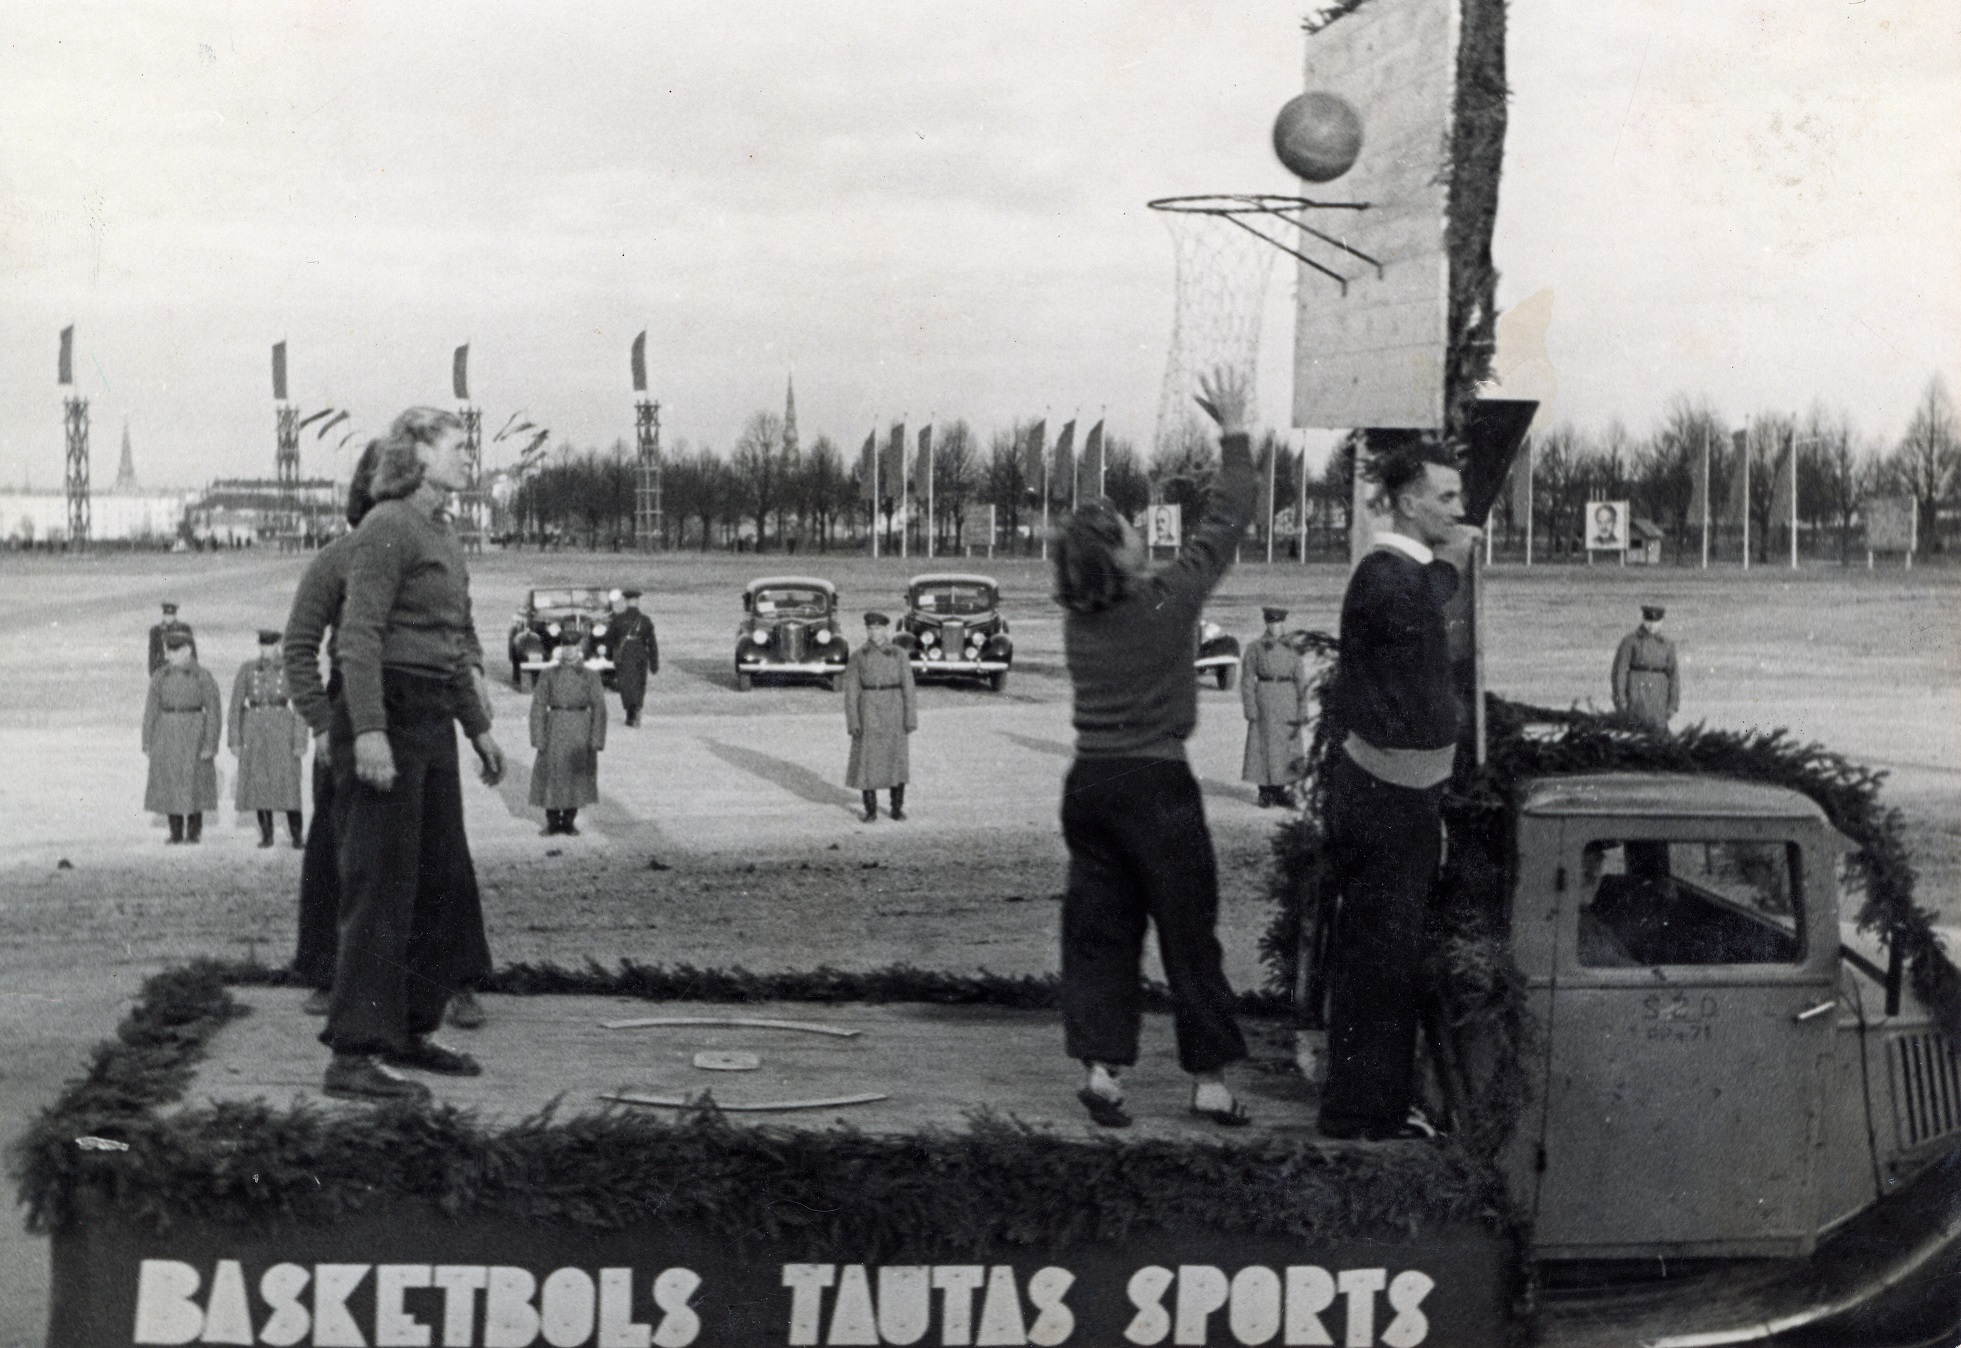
(880, 712)
(1273, 691)
(269, 741)
(1647, 682)
(636, 654)
(568, 729)
(182, 722)
(164, 628)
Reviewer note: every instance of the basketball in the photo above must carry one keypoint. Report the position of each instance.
(1317, 136)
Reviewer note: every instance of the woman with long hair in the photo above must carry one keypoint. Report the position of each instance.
(1139, 849)
(410, 933)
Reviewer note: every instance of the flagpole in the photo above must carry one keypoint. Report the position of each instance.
(1746, 496)
(1045, 498)
(1272, 478)
(902, 499)
(932, 523)
(1794, 498)
(1300, 518)
(1705, 498)
(1531, 453)
(874, 467)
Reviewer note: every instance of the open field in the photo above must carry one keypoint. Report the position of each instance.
(740, 796)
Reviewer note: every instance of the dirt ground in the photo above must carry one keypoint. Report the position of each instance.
(726, 836)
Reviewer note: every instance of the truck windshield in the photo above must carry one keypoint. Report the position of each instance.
(1647, 902)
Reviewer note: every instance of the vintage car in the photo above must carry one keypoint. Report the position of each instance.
(552, 616)
(953, 627)
(790, 629)
(1218, 653)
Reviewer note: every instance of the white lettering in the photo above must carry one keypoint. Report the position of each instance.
(509, 1318)
(679, 1324)
(280, 1287)
(394, 1327)
(1146, 1291)
(905, 1302)
(565, 1307)
(1054, 1322)
(806, 1283)
(1254, 1312)
(333, 1327)
(1406, 1293)
(460, 1284)
(957, 1284)
(1360, 1285)
(616, 1324)
(1310, 1290)
(1201, 1290)
(165, 1312)
(1000, 1322)
(227, 1317)
(853, 1321)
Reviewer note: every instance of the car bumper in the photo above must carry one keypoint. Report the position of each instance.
(1215, 661)
(598, 662)
(920, 666)
(787, 667)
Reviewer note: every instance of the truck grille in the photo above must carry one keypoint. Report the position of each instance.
(791, 641)
(1926, 1087)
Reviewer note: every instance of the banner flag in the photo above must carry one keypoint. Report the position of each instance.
(922, 467)
(278, 372)
(1062, 478)
(868, 470)
(1092, 478)
(66, 371)
(459, 373)
(892, 465)
(331, 422)
(1699, 474)
(1035, 455)
(1521, 482)
(640, 362)
(1736, 501)
(1780, 489)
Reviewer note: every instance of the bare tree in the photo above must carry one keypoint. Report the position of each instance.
(758, 471)
(1124, 479)
(1004, 485)
(957, 474)
(1924, 463)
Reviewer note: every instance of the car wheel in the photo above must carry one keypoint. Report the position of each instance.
(998, 680)
(743, 683)
(1225, 674)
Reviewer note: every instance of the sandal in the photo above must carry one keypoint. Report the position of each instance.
(1235, 1117)
(1103, 1110)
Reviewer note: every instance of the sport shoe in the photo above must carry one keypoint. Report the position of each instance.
(356, 1076)
(317, 1002)
(465, 1011)
(425, 1055)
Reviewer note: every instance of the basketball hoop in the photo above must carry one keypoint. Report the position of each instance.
(1234, 209)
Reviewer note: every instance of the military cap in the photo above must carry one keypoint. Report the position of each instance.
(270, 636)
(176, 640)
(631, 594)
(1273, 613)
(876, 619)
(1652, 613)
(169, 607)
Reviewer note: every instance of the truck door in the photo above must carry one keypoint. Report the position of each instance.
(1694, 1004)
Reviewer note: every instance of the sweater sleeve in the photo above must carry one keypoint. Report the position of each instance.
(1208, 550)
(375, 563)
(316, 605)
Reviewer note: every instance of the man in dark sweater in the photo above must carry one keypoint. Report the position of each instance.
(1393, 696)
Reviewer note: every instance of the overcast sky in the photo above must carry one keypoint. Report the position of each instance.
(920, 207)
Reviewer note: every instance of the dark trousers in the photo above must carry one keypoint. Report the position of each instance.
(1139, 852)
(313, 957)
(411, 922)
(1386, 843)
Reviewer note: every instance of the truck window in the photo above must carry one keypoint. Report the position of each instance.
(1648, 903)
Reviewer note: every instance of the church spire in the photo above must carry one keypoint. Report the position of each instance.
(790, 419)
(126, 470)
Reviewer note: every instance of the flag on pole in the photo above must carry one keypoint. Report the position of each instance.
(892, 464)
(1092, 482)
(459, 373)
(1699, 475)
(1035, 455)
(640, 362)
(1736, 501)
(278, 371)
(329, 424)
(922, 466)
(1521, 483)
(1781, 488)
(66, 371)
(1063, 479)
(868, 470)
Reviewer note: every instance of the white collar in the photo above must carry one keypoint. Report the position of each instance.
(1403, 543)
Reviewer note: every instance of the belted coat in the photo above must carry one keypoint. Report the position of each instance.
(879, 711)
(1273, 693)
(182, 725)
(568, 729)
(268, 736)
(1647, 681)
(636, 654)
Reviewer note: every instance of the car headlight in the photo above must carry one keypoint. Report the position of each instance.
(552, 629)
(760, 637)
(599, 629)
(929, 638)
(935, 654)
(822, 636)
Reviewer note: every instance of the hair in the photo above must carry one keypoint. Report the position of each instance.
(1089, 577)
(398, 462)
(360, 487)
(1396, 459)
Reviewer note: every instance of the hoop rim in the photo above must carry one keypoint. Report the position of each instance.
(1247, 203)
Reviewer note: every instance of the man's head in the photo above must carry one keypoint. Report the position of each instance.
(1275, 618)
(177, 649)
(1651, 615)
(878, 629)
(169, 610)
(569, 652)
(1417, 480)
(631, 598)
(1097, 554)
(269, 639)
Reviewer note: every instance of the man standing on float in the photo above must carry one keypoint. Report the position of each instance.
(1393, 695)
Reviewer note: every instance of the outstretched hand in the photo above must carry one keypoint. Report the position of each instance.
(1223, 395)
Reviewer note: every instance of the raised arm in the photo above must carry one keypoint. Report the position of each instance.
(1208, 551)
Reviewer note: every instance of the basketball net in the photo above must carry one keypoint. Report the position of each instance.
(1222, 274)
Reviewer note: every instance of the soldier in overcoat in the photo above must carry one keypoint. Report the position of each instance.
(636, 654)
(182, 725)
(568, 729)
(169, 623)
(879, 711)
(269, 740)
(1273, 692)
(1647, 680)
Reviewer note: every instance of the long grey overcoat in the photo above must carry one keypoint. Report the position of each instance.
(1273, 693)
(183, 722)
(568, 729)
(268, 736)
(880, 712)
(1647, 679)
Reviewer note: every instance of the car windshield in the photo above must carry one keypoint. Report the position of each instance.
(956, 600)
(792, 602)
(587, 599)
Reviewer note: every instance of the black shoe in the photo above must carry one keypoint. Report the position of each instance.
(265, 841)
(898, 812)
(423, 1054)
(1103, 1110)
(870, 815)
(569, 830)
(193, 828)
(1284, 798)
(1416, 1128)
(356, 1076)
(1266, 798)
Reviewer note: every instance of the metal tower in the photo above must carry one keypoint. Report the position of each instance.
(470, 519)
(76, 423)
(286, 453)
(647, 520)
